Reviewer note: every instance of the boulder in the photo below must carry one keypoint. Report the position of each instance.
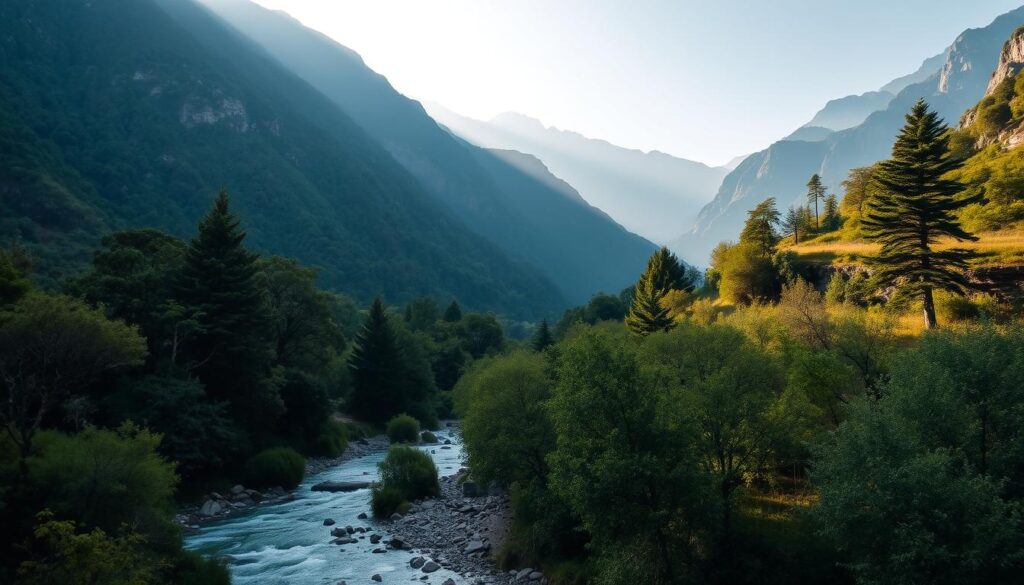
(237, 490)
(376, 578)
(430, 567)
(523, 574)
(536, 576)
(209, 508)
(475, 546)
(396, 516)
(397, 543)
(362, 516)
(374, 538)
(448, 582)
(338, 532)
(329, 522)
(340, 486)
(417, 562)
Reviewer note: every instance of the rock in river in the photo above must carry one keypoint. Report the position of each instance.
(340, 486)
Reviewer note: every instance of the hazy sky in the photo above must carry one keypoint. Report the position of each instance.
(702, 79)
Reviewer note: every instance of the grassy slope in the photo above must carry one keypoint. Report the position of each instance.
(999, 248)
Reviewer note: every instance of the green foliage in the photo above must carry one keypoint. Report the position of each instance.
(453, 314)
(105, 479)
(543, 338)
(664, 273)
(428, 438)
(815, 193)
(60, 554)
(307, 409)
(913, 208)
(52, 347)
(745, 274)
(15, 276)
(481, 334)
(924, 484)
(198, 435)
(625, 465)
(507, 431)
(406, 474)
(403, 429)
(858, 187)
(277, 466)
(331, 441)
(422, 314)
(854, 288)
(600, 307)
(759, 229)
(231, 352)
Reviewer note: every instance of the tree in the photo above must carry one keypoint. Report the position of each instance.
(815, 193)
(375, 364)
(832, 217)
(858, 187)
(745, 274)
(794, 223)
(421, 314)
(914, 207)
(52, 347)
(453, 314)
(480, 334)
(759, 230)
(15, 275)
(664, 273)
(232, 351)
(543, 339)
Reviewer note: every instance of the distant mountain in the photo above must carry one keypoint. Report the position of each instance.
(810, 134)
(532, 219)
(782, 169)
(129, 113)
(851, 110)
(650, 193)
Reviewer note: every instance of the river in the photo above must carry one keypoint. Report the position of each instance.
(287, 543)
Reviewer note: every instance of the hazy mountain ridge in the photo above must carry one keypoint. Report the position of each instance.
(134, 121)
(477, 186)
(650, 193)
(783, 169)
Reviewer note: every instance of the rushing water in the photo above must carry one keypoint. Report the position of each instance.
(288, 543)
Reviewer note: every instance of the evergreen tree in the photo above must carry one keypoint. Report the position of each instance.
(914, 207)
(815, 193)
(453, 314)
(759, 230)
(663, 274)
(831, 212)
(793, 224)
(376, 367)
(543, 339)
(231, 352)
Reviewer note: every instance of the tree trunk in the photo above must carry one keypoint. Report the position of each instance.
(929, 309)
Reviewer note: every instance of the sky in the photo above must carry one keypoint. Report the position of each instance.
(706, 80)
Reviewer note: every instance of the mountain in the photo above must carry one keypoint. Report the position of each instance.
(810, 134)
(783, 168)
(574, 244)
(130, 113)
(851, 110)
(650, 193)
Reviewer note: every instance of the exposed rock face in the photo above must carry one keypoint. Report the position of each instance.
(1011, 60)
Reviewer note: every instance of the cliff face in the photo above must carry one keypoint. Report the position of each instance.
(1011, 60)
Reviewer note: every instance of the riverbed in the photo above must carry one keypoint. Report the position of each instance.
(287, 542)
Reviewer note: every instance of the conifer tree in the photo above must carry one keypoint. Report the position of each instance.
(453, 314)
(376, 367)
(815, 193)
(543, 339)
(831, 212)
(913, 207)
(793, 224)
(664, 273)
(759, 230)
(231, 351)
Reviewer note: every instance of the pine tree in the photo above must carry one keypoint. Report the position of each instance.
(759, 230)
(376, 367)
(231, 351)
(831, 212)
(815, 193)
(453, 314)
(793, 224)
(543, 339)
(913, 207)
(664, 273)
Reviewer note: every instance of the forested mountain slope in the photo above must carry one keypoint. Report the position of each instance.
(115, 115)
(581, 249)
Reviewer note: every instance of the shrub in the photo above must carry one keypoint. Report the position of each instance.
(406, 474)
(403, 429)
(428, 437)
(332, 440)
(279, 466)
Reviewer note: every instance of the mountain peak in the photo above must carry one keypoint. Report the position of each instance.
(1011, 60)
(515, 120)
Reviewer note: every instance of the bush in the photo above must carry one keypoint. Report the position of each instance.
(280, 466)
(406, 474)
(428, 437)
(403, 429)
(332, 440)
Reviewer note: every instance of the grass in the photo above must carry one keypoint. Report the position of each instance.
(993, 248)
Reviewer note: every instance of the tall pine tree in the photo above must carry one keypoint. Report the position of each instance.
(793, 224)
(231, 352)
(453, 314)
(543, 338)
(376, 367)
(759, 230)
(913, 207)
(664, 273)
(815, 193)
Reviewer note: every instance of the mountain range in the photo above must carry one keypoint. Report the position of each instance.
(650, 193)
(132, 113)
(951, 82)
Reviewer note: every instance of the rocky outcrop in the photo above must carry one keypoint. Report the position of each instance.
(1011, 61)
